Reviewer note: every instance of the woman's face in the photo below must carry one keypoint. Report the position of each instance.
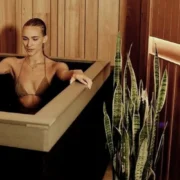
(33, 39)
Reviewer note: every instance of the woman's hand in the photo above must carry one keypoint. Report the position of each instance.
(81, 77)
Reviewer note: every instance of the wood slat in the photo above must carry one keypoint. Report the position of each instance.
(54, 27)
(74, 28)
(174, 21)
(27, 13)
(91, 29)
(154, 22)
(168, 19)
(172, 72)
(168, 162)
(167, 50)
(107, 29)
(61, 28)
(41, 9)
(178, 21)
(18, 27)
(2, 27)
(8, 26)
(160, 19)
(174, 158)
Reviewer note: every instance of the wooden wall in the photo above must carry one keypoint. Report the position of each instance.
(76, 28)
(165, 25)
(170, 159)
(165, 18)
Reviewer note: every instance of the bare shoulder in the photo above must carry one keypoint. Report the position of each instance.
(57, 65)
(11, 60)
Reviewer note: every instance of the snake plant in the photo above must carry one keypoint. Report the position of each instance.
(131, 131)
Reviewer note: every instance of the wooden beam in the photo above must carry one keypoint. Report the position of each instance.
(167, 50)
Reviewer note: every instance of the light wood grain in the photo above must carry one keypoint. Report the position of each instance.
(41, 9)
(27, 13)
(61, 28)
(74, 28)
(18, 27)
(54, 27)
(107, 28)
(91, 29)
(8, 26)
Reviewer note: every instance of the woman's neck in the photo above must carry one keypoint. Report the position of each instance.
(37, 58)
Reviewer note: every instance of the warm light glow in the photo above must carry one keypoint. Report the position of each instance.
(167, 50)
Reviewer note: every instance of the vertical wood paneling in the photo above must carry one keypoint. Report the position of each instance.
(174, 157)
(166, 20)
(26, 14)
(107, 28)
(74, 28)
(163, 114)
(175, 15)
(18, 27)
(169, 161)
(2, 27)
(61, 28)
(54, 27)
(178, 21)
(8, 26)
(167, 27)
(144, 34)
(41, 9)
(133, 36)
(154, 16)
(172, 71)
(159, 18)
(122, 24)
(91, 29)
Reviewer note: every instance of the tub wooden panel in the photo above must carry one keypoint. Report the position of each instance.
(41, 131)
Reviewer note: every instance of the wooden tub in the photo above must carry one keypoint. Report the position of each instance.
(54, 127)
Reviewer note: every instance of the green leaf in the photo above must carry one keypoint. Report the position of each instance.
(156, 73)
(117, 107)
(125, 153)
(141, 160)
(125, 87)
(118, 62)
(141, 87)
(108, 131)
(161, 143)
(162, 92)
(135, 132)
(143, 134)
(134, 88)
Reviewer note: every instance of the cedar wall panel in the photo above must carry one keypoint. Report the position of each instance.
(165, 21)
(41, 9)
(91, 29)
(170, 160)
(8, 32)
(76, 28)
(54, 27)
(61, 29)
(108, 28)
(165, 24)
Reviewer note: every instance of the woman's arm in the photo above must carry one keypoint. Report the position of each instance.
(63, 73)
(5, 66)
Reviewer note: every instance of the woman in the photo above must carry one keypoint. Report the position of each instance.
(34, 72)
